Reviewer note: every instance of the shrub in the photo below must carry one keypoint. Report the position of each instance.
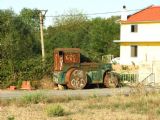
(158, 111)
(26, 69)
(10, 117)
(55, 110)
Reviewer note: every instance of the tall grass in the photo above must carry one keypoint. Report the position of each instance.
(34, 98)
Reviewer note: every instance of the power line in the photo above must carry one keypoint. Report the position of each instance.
(87, 14)
(90, 14)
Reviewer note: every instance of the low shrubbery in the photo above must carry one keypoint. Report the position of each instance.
(55, 110)
(29, 69)
(34, 98)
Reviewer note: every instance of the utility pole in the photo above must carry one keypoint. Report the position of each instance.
(42, 14)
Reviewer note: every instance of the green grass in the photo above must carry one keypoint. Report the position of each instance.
(55, 110)
(158, 111)
(34, 98)
(10, 117)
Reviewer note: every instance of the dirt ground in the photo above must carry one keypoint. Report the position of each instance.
(91, 108)
(37, 112)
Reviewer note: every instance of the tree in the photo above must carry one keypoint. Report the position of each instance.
(102, 32)
(67, 31)
(18, 42)
(95, 37)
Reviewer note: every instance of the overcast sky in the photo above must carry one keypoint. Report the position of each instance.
(56, 7)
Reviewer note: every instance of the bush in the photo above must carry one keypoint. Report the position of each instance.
(10, 117)
(55, 110)
(14, 72)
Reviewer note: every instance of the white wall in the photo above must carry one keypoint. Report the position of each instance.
(145, 53)
(146, 32)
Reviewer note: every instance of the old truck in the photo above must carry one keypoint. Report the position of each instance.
(69, 70)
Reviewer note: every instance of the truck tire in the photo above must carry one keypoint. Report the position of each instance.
(110, 80)
(76, 78)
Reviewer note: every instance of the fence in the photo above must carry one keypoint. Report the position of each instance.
(131, 78)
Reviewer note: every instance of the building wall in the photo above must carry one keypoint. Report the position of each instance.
(146, 32)
(146, 52)
(147, 39)
(145, 72)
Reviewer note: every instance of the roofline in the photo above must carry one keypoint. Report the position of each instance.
(136, 13)
(120, 41)
(141, 22)
(141, 10)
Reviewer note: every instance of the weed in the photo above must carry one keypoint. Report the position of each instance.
(158, 111)
(128, 105)
(5, 102)
(97, 106)
(55, 110)
(10, 117)
(33, 98)
(94, 96)
(116, 105)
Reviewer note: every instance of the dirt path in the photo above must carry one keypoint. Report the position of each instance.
(5, 94)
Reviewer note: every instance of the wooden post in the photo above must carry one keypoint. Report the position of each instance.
(41, 17)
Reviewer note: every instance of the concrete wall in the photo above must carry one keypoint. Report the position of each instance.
(146, 68)
(145, 53)
(146, 32)
(146, 38)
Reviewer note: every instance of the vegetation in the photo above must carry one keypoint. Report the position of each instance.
(20, 42)
(33, 98)
(10, 118)
(135, 106)
(55, 110)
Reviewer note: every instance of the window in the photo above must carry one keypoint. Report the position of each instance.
(134, 28)
(134, 51)
(60, 53)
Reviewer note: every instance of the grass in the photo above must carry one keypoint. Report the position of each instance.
(34, 98)
(55, 110)
(10, 117)
(38, 97)
(158, 111)
(134, 106)
(138, 104)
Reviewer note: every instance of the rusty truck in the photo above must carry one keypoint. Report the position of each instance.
(70, 71)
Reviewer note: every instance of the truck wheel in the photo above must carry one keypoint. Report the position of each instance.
(76, 79)
(110, 80)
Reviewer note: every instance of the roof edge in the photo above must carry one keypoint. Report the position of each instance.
(120, 41)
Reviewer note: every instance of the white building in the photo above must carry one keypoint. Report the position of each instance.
(140, 36)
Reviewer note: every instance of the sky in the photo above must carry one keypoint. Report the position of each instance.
(58, 7)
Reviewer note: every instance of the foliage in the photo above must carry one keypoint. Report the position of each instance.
(20, 48)
(95, 37)
(29, 69)
(20, 42)
(55, 110)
